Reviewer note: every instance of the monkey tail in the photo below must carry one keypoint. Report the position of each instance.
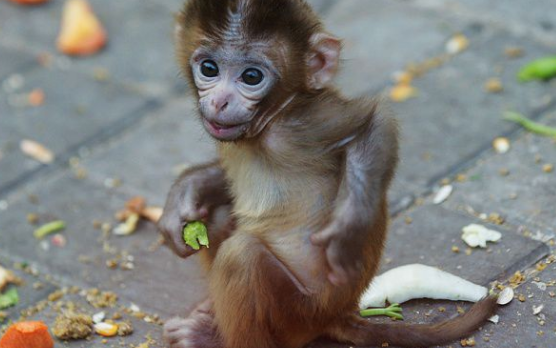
(365, 333)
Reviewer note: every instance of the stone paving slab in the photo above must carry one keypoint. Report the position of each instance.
(532, 16)
(159, 281)
(433, 230)
(140, 48)
(76, 110)
(378, 40)
(453, 118)
(176, 140)
(13, 60)
(518, 326)
(525, 196)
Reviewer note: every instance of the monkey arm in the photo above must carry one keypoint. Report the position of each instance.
(195, 195)
(370, 162)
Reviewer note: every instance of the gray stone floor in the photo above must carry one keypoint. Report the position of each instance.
(123, 116)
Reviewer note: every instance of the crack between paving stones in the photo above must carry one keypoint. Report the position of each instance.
(470, 162)
(524, 263)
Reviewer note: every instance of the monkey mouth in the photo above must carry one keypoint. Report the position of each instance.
(225, 132)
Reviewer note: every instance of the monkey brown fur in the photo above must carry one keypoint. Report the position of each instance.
(297, 203)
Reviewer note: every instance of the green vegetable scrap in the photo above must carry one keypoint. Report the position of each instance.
(540, 69)
(9, 298)
(49, 228)
(394, 311)
(531, 126)
(195, 233)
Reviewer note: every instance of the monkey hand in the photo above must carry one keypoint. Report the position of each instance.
(343, 241)
(188, 201)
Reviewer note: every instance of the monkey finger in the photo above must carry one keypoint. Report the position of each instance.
(190, 211)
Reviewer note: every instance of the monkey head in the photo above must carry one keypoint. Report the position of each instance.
(247, 60)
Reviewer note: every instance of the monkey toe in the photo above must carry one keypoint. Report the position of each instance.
(196, 331)
(180, 333)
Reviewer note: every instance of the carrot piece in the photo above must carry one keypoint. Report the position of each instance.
(82, 33)
(30, 2)
(27, 334)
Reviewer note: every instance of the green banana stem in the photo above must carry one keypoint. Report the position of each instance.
(393, 311)
(530, 125)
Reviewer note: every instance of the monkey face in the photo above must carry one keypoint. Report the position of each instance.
(231, 83)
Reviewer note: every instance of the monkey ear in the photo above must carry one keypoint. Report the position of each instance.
(324, 57)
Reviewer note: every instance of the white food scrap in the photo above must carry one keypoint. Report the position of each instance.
(152, 214)
(494, 319)
(537, 309)
(419, 281)
(501, 145)
(476, 235)
(36, 151)
(99, 317)
(443, 194)
(6, 277)
(128, 227)
(457, 44)
(506, 296)
(540, 285)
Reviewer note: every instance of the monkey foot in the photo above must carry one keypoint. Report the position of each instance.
(196, 331)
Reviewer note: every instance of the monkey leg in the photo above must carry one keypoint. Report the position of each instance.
(258, 301)
(198, 330)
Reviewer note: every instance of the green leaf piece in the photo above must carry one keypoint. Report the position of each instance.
(531, 126)
(393, 311)
(195, 234)
(540, 69)
(49, 228)
(9, 298)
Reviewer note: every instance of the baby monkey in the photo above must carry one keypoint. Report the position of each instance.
(296, 204)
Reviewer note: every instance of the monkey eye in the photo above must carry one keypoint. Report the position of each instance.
(209, 68)
(252, 76)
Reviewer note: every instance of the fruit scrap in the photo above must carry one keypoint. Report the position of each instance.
(82, 33)
(36, 151)
(6, 277)
(49, 228)
(27, 334)
(529, 125)
(402, 92)
(540, 69)
(138, 205)
(36, 97)
(128, 227)
(195, 233)
(9, 299)
(29, 2)
(106, 329)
